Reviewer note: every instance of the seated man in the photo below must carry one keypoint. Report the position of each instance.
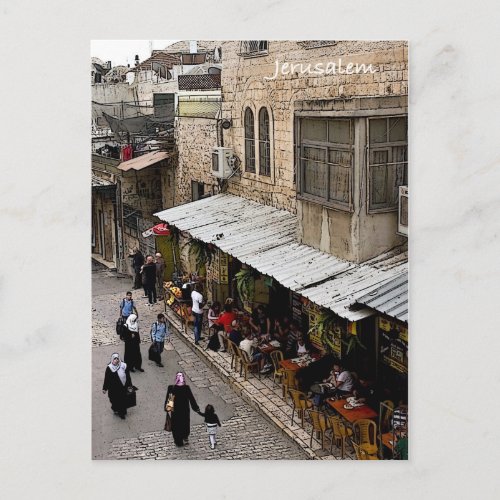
(339, 383)
(235, 334)
(224, 323)
(260, 322)
(249, 345)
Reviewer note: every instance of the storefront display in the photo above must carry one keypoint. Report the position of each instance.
(393, 342)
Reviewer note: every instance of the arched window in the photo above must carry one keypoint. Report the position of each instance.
(249, 141)
(264, 143)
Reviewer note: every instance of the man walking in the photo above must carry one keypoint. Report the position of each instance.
(149, 274)
(159, 331)
(197, 311)
(160, 273)
(127, 307)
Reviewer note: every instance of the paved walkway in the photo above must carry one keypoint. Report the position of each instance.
(245, 433)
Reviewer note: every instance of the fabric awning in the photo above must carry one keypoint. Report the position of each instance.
(158, 230)
(265, 238)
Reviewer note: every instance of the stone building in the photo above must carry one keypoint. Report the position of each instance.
(330, 147)
(317, 131)
(141, 186)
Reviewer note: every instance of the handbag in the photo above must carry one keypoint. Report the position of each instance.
(120, 325)
(130, 399)
(153, 353)
(168, 423)
(169, 407)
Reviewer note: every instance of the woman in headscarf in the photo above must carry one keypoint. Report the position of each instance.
(116, 381)
(180, 416)
(132, 358)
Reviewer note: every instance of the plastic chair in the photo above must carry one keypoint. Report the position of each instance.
(361, 454)
(339, 433)
(276, 357)
(365, 435)
(319, 425)
(246, 362)
(288, 381)
(300, 404)
(232, 350)
(385, 421)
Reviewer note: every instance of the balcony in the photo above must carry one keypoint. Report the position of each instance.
(199, 82)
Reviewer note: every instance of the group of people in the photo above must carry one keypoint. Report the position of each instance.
(258, 331)
(118, 383)
(149, 274)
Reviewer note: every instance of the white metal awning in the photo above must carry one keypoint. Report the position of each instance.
(265, 238)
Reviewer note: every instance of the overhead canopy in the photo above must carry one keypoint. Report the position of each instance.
(265, 238)
(144, 161)
(390, 298)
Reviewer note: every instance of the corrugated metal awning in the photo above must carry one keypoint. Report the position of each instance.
(98, 182)
(144, 161)
(390, 298)
(265, 238)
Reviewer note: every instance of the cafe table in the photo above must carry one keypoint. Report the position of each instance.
(290, 364)
(267, 348)
(353, 414)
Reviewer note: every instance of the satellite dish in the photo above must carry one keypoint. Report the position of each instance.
(226, 124)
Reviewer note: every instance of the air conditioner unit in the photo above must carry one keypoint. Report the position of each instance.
(403, 210)
(222, 162)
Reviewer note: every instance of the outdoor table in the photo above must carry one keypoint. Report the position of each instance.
(288, 364)
(267, 348)
(355, 413)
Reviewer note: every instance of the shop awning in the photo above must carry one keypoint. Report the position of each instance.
(158, 230)
(99, 182)
(143, 161)
(265, 238)
(390, 298)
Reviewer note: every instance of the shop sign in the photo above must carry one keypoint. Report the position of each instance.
(214, 268)
(393, 344)
(223, 268)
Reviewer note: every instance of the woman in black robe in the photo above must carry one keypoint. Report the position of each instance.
(132, 358)
(183, 398)
(116, 381)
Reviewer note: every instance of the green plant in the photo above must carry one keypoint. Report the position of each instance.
(202, 253)
(352, 343)
(245, 284)
(323, 328)
(326, 326)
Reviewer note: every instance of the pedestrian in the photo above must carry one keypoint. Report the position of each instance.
(197, 311)
(127, 306)
(137, 263)
(149, 279)
(159, 332)
(212, 421)
(160, 273)
(180, 416)
(116, 382)
(132, 357)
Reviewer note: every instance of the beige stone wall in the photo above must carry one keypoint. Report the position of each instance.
(355, 236)
(195, 138)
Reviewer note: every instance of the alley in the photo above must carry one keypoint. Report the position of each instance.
(244, 434)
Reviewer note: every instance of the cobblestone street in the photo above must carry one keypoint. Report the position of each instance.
(245, 434)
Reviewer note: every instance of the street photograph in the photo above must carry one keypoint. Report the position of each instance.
(249, 247)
